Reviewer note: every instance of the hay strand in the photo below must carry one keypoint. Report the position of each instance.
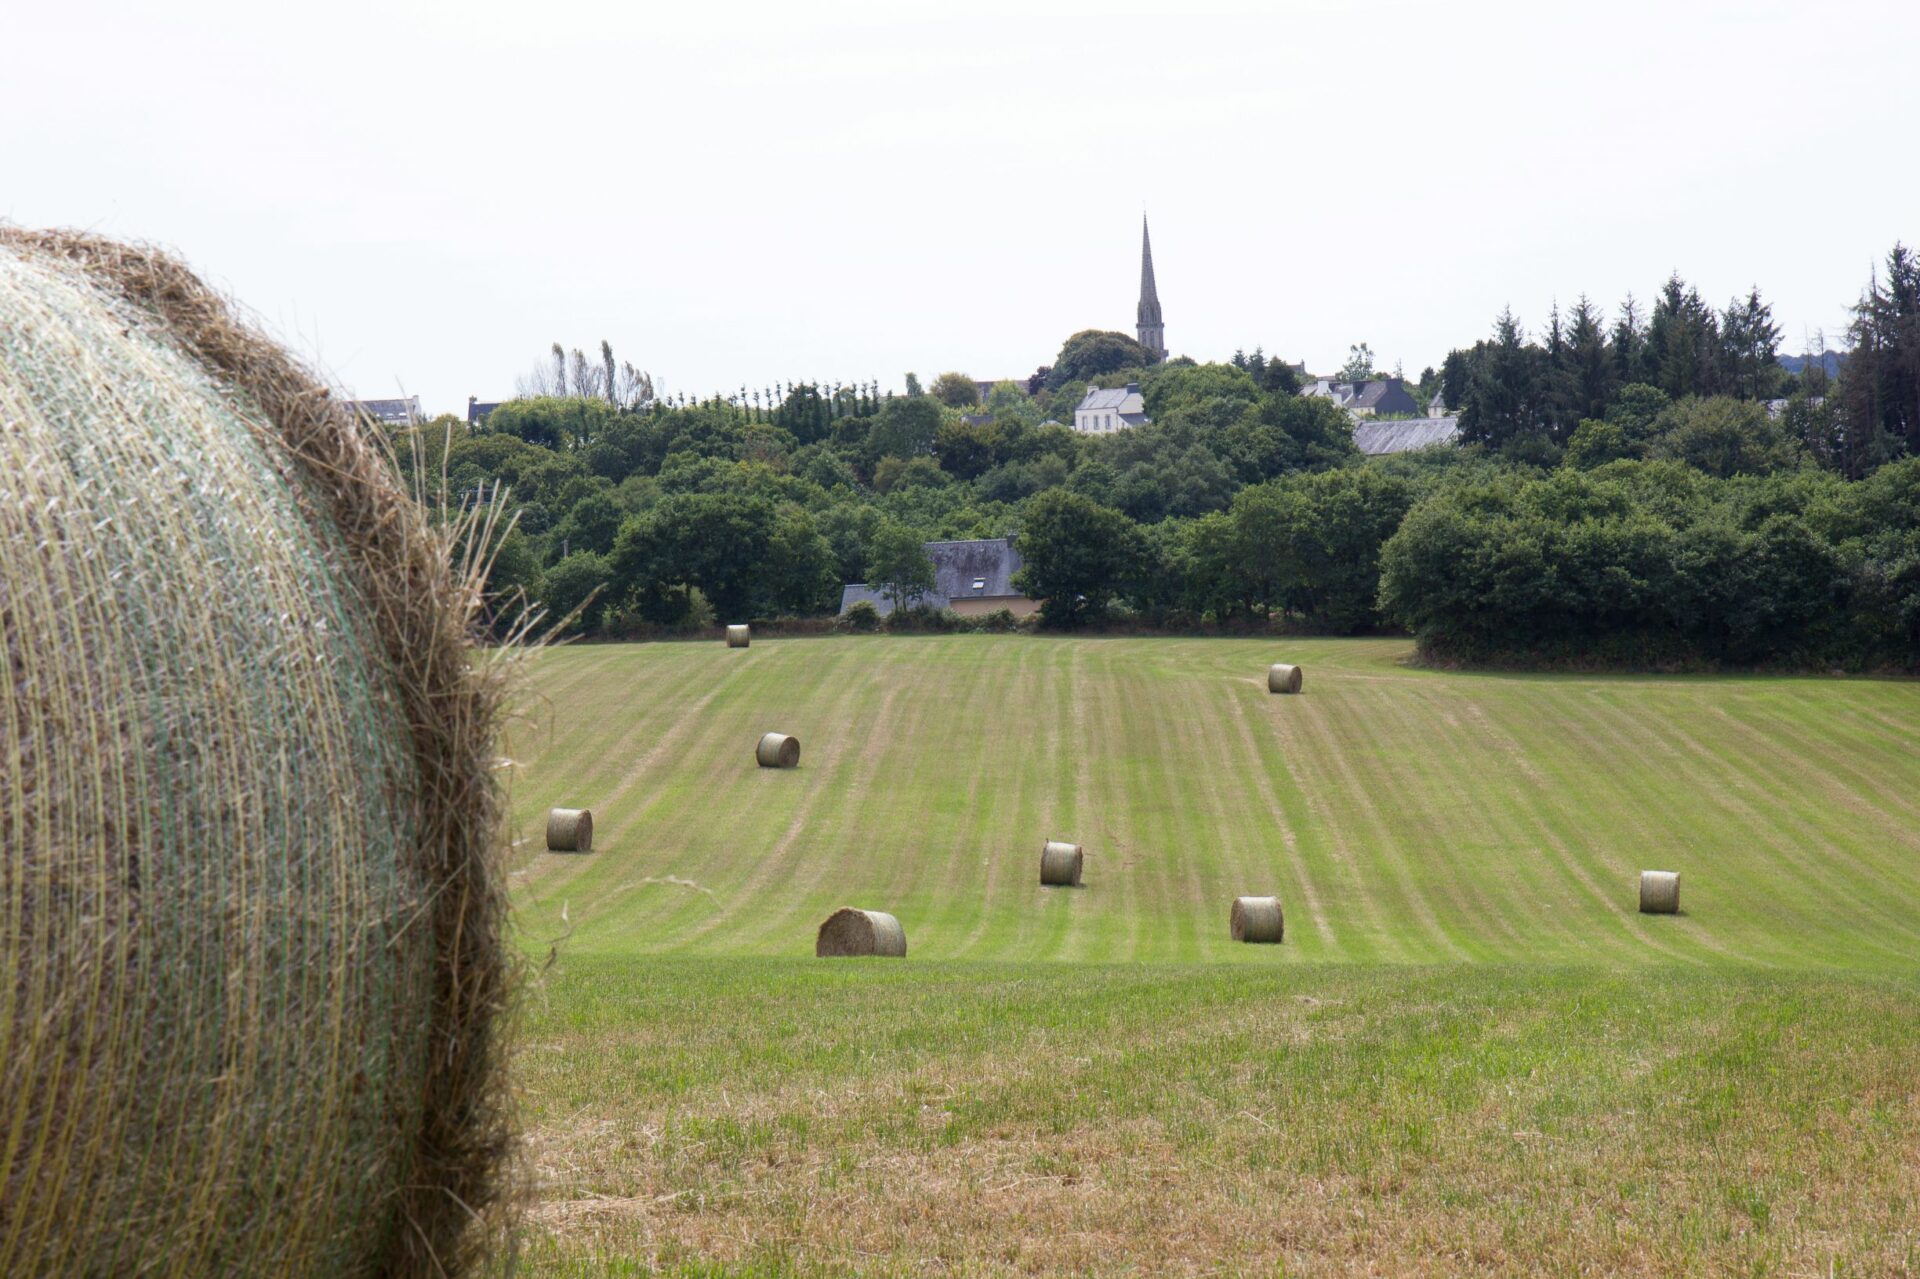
(1257, 919)
(251, 849)
(1282, 678)
(569, 830)
(738, 636)
(1061, 864)
(777, 750)
(851, 932)
(1659, 892)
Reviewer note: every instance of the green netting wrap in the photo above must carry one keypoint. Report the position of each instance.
(250, 889)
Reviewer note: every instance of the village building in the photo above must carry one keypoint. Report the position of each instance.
(402, 412)
(1372, 397)
(971, 578)
(1106, 410)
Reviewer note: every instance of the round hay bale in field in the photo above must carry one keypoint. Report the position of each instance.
(738, 636)
(1257, 919)
(251, 831)
(860, 932)
(1282, 678)
(1061, 864)
(569, 830)
(777, 750)
(1659, 892)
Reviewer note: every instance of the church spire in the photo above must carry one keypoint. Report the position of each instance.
(1153, 334)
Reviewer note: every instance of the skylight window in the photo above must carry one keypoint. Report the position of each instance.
(979, 583)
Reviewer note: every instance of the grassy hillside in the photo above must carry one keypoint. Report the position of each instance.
(1403, 815)
(1471, 1056)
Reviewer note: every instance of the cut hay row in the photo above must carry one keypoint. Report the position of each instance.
(1258, 919)
(250, 821)
(1179, 809)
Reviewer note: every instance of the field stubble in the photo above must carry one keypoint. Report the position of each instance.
(1734, 1091)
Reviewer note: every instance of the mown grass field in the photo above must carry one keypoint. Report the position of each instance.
(1472, 1055)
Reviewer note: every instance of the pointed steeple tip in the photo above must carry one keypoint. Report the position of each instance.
(1152, 335)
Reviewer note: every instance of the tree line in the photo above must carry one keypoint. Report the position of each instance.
(1679, 437)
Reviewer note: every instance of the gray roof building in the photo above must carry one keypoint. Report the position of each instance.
(403, 412)
(1405, 434)
(975, 575)
(1110, 409)
(477, 408)
(1374, 397)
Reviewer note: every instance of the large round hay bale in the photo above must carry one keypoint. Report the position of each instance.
(860, 932)
(569, 830)
(251, 887)
(777, 750)
(1659, 892)
(1257, 919)
(1282, 678)
(1061, 864)
(739, 636)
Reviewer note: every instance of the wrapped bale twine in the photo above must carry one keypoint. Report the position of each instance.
(1257, 919)
(1659, 892)
(860, 932)
(569, 830)
(777, 750)
(738, 637)
(1061, 864)
(1282, 678)
(251, 887)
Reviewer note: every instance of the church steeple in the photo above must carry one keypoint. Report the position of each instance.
(1153, 334)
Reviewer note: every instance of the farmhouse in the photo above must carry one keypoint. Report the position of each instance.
(971, 578)
(1103, 412)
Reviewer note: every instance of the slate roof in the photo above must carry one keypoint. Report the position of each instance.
(477, 408)
(1121, 399)
(1404, 435)
(1125, 402)
(1383, 395)
(392, 412)
(956, 567)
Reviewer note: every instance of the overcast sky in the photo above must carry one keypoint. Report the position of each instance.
(423, 197)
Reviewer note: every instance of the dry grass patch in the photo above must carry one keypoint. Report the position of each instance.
(984, 1120)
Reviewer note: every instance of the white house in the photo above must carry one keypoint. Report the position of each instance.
(1103, 412)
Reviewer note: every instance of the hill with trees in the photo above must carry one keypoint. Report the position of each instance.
(1650, 486)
